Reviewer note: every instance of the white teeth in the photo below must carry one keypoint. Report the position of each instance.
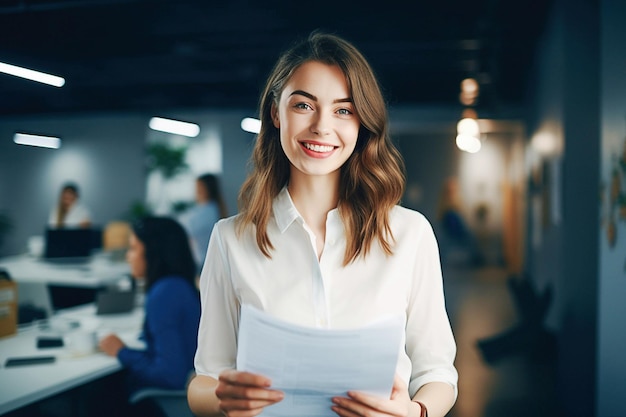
(318, 148)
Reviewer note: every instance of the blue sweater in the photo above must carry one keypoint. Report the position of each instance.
(170, 331)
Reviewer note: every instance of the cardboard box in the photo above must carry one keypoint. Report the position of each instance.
(8, 308)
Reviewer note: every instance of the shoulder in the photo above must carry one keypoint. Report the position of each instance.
(402, 216)
(226, 228)
(81, 209)
(167, 286)
(409, 222)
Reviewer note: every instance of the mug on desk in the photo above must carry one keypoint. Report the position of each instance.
(81, 342)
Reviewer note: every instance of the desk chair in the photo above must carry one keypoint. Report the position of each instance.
(173, 403)
(115, 236)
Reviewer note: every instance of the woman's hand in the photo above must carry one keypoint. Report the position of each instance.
(111, 344)
(358, 404)
(243, 394)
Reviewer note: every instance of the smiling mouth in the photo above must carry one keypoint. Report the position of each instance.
(318, 148)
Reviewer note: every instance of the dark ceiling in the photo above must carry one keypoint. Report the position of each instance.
(119, 55)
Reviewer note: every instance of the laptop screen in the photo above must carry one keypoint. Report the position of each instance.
(71, 243)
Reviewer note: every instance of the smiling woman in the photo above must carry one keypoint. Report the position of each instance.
(317, 121)
(321, 241)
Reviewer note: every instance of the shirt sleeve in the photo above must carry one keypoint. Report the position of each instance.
(429, 340)
(163, 364)
(85, 214)
(219, 320)
(52, 217)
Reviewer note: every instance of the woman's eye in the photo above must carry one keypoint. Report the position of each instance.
(302, 106)
(344, 112)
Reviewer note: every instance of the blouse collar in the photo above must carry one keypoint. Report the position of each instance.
(285, 212)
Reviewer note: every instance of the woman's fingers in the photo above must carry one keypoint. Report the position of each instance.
(244, 393)
(360, 404)
(244, 378)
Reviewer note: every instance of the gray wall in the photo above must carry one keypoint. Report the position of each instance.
(612, 286)
(579, 100)
(104, 154)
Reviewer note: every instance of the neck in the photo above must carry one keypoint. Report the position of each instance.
(314, 197)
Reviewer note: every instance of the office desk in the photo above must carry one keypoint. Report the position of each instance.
(23, 385)
(69, 284)
(99, 271)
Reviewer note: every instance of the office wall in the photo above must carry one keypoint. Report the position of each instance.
(105, 155)
(612, 286)
(580, 102)
(432, 157)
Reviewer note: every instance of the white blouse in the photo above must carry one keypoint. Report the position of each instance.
(294, 286)
(76, 215)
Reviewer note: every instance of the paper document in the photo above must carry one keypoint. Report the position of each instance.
(314, 365)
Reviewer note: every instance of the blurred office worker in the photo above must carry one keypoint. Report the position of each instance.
(69, 212)
(159, 254)
(199, 219)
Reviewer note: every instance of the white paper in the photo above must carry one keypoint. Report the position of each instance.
(311, 366)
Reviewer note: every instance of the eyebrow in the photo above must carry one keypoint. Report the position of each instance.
(314, 98)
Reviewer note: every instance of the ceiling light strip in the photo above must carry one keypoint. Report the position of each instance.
(175, 127)
(37, 140)
(251, 124)
(32, 75)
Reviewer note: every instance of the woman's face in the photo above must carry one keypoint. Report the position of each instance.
(202, 194)
(136, 257)
(68, 197)
(317, 120)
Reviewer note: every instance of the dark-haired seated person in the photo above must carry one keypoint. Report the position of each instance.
(69, 212)
(159, 252)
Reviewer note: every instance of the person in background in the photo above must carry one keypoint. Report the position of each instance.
(199, 219)
(455, 235)
(159, 254)
(69, 212)
(321, 241)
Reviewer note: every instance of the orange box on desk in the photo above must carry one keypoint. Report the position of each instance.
(8, 308)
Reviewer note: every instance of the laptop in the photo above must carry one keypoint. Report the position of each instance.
(114, 302)
(71, 244)
(34, 297)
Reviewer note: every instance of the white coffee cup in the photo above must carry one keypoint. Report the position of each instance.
(81, 342)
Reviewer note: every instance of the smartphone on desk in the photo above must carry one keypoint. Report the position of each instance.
(29, 360)
(49, 342)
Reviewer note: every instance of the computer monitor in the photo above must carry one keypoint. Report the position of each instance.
(71, 243)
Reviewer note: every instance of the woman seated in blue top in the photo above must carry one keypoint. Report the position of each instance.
(159, 253)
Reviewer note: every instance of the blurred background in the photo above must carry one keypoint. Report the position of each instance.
(511, 117)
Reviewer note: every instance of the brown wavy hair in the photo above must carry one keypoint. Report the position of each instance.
(372, 180)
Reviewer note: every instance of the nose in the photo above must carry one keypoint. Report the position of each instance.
(321, 124)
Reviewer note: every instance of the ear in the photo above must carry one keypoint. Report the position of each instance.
(275, 118)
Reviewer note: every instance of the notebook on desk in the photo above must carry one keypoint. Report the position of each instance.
(71, 244)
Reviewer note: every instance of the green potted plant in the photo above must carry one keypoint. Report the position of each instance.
(169, 161)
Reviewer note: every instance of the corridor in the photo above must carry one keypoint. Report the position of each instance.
(480, 305)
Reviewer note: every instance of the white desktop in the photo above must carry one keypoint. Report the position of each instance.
(75, 363)
(96, 271)
(55, 284)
